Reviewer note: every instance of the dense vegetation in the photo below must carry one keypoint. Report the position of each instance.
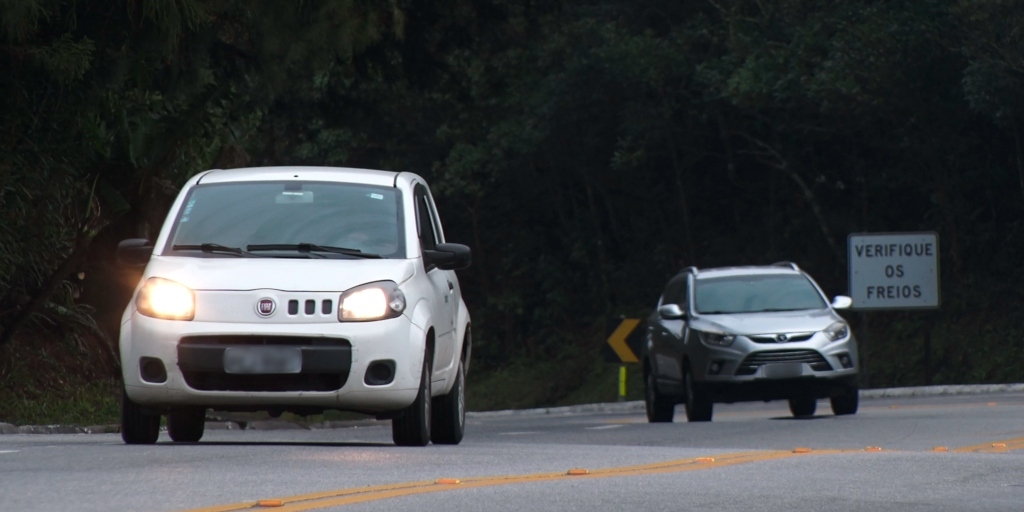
(585, 149)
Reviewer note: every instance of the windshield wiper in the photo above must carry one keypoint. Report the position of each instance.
(308, 248)
(210, 249)
(776, 310)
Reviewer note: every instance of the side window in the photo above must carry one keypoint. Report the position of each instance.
(438, 232)
(425, 220)
(676, 291)
(671, 292)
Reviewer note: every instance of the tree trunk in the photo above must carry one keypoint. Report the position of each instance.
(683, 204)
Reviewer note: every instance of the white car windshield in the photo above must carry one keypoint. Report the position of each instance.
(283, 219)
(756, 293)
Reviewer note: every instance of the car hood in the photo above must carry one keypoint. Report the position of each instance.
(769, 322)
(292, 274)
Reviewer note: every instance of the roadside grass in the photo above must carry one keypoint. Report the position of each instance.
(88, 405)
(572, 377)
(46, 380)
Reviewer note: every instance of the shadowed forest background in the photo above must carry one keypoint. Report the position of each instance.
(586, 150)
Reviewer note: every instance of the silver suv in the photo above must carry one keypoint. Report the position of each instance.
(748, 333)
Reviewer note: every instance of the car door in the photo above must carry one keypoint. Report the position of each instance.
(666, 334)
(443, 299)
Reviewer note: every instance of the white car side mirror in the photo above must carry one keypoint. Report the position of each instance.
(841, 302)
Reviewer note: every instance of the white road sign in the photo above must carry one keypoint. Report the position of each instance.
(894, 270)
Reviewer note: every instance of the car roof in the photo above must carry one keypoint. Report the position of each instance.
(748, 270)
(309, 173)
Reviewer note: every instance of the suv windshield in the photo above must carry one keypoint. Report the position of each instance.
(286, 216)
(756, 293)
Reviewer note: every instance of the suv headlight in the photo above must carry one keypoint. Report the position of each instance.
(716, 339)
(372, 301)
(837, 331)
(163, 298)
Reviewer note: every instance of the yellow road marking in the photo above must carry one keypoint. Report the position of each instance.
(995, 447)
(342, 497)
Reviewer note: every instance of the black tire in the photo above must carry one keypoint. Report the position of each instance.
(412, 428)
(186, 425)
(137, 425)
(803, 407)
(699, 406)
(448, 421)
(846, 403)
(660, 409)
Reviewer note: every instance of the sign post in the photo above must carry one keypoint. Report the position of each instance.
(895, 271)
(623, 345)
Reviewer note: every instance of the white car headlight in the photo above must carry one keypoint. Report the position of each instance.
(716, 339)
(837, 331)
(372, 301)
(163, 298)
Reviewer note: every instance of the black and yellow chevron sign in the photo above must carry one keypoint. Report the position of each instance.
(625, 342)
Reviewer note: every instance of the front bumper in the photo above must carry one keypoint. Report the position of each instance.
(747, 370)
(779, 389)
(335, 359)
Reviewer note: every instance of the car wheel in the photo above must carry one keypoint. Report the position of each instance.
(699, 406)
(802, 407)
(186, 425)
(412, 428)
(846, 403)
(137, 426)
(659, 408)
(449, 418)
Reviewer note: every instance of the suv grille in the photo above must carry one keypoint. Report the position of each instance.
(774, 338)
(753, 361)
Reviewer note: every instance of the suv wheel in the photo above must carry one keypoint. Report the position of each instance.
(699, 406)
(846, 403)
(137, 426)
(803, 407)
(186, 425)
(412, 428)
(659, 408)
(449, 417)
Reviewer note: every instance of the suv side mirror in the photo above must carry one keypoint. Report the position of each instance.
(134, 251)
(449, 256)
(671, 312)
(841, 302)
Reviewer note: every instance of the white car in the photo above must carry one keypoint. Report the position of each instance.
(298, 289)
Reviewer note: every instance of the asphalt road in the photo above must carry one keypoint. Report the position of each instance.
(944, 452)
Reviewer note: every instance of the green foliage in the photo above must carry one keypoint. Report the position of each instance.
(585, 149)
(48, 381)
(109, 109)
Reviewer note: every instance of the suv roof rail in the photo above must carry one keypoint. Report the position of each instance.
(789, 264)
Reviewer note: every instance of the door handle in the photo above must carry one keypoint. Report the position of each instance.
(451, 287)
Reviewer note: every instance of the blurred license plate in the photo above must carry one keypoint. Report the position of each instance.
(783, 370)
(262, 360)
